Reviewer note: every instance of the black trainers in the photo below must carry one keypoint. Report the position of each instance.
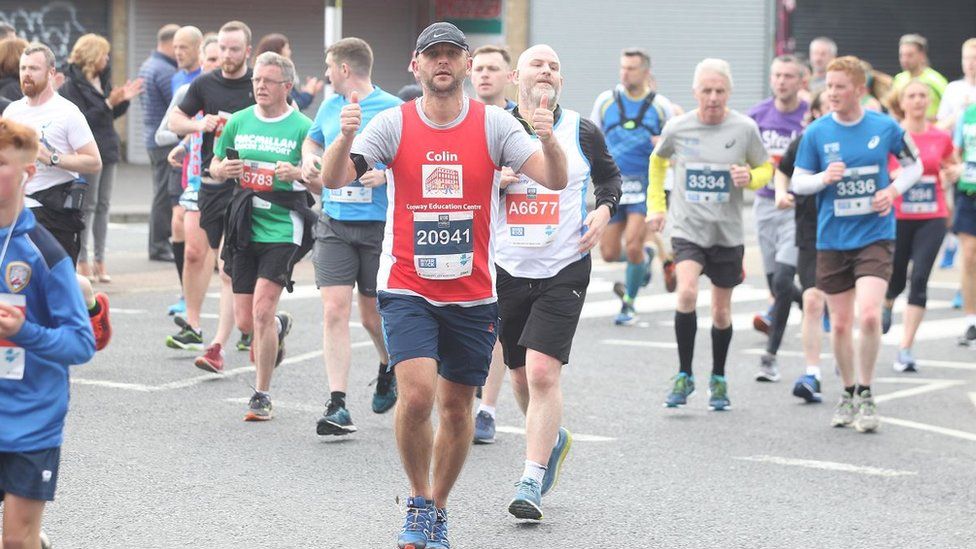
(187, 338)
(286, 323)
(335, 421)
(968, 339)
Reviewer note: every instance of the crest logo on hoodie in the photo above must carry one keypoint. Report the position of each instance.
(18, 276)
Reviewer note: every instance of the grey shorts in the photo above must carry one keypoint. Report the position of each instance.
(776, 231)
(347, 253)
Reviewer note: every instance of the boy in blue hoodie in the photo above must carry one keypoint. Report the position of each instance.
(44, 327)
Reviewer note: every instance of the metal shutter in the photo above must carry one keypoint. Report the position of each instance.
(854, 26)
(588, 37)
(57, 24)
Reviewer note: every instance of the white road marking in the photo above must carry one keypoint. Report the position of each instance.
(947, 364)
(283, 405)
(635, 343)
(929, 330)
(936, 385)
(656, 303)
(930, 428)
(576, 436)
(828, 466)
(972, 397)
(120, 311)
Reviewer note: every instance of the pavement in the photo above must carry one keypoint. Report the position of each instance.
(156, 454)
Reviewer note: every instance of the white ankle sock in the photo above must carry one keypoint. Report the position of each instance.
(486, 408)
(534, 471)
(813, 371)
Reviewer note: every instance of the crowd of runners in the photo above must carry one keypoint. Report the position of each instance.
(463, 226)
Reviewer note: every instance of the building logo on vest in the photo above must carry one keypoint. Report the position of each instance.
(442, 180)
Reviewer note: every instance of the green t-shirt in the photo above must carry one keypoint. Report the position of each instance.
(935, 81)
(965, 141)
(261, 143)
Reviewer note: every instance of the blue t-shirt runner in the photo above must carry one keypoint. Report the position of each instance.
(354, 202)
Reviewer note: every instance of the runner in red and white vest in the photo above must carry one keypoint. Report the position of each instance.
(543, 259)
(436, 282)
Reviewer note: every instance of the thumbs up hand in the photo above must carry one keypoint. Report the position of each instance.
(351, 116)
(542, 120)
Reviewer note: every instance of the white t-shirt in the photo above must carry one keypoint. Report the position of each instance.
(62, 129)
(956, 97)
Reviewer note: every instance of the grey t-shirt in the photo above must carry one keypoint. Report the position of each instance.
(508, 144)
(706, 207)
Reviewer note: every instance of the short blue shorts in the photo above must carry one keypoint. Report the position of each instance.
(31, 475)
(965, 220)
(623, 210)
(459, 338)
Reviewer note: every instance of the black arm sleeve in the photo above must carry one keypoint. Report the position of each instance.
(603, 169)
(786, 163)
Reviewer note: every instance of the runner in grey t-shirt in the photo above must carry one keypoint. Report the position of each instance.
(716, 152)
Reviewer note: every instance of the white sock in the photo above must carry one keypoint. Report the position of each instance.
(534, 471)
(486, 408)
(971, 320)
(813, 371)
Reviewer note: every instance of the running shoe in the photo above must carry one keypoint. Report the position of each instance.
(718, 394)
(807, 387)
(438, 532)
(178, 308)
(212, 359)
(866, 420)
(258, 408)
(335, 421)
(968, 339)
(649, 254)
(527, 503)
(684, 386)
(100, 323)
(244, 343)
(957, 300)
(484, 428)
(826, 321)
(768, 368)
(187, 338)
(844, 412)
(627, 315)
(418, 524)
(762, 321)
(885, 319)
(286, 321)
(385, 396)
(905, 361)
(948, 257)
(556, 458)
(670, 277)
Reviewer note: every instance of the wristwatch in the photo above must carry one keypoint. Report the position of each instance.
(55, 159)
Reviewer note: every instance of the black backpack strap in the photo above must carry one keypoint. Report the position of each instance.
(632, 123)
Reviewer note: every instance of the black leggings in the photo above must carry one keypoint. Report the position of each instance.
(917, 241)
(785, 293)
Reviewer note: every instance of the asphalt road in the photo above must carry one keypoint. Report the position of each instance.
(157, 455)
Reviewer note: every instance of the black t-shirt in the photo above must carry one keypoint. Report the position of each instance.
(806, 204)
(212, 93)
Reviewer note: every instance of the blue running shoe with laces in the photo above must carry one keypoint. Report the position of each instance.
(484, 428)
(178, 308)
(718, 394)
(559, 452)
(335, 421)
(684, 386)
(807, 387)
(417, 525)
(957, 300)
(438, 534)
(527, 503)
(385, 396)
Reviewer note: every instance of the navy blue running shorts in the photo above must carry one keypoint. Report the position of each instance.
(459, 338)
(31, 475)
(965, 220)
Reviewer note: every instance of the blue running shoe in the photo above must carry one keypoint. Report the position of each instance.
(385, 396)
(484, 428)
(627, 315)
(885, 319)
(649, 254)
(559, 452)
(807, 387)
(438, 534)
(178, 308)
(335, 421)
(957, 300)
(527, 504)
(417, 525)
(718, 391)
(948, 257)
(826, 321)
(684, 386)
